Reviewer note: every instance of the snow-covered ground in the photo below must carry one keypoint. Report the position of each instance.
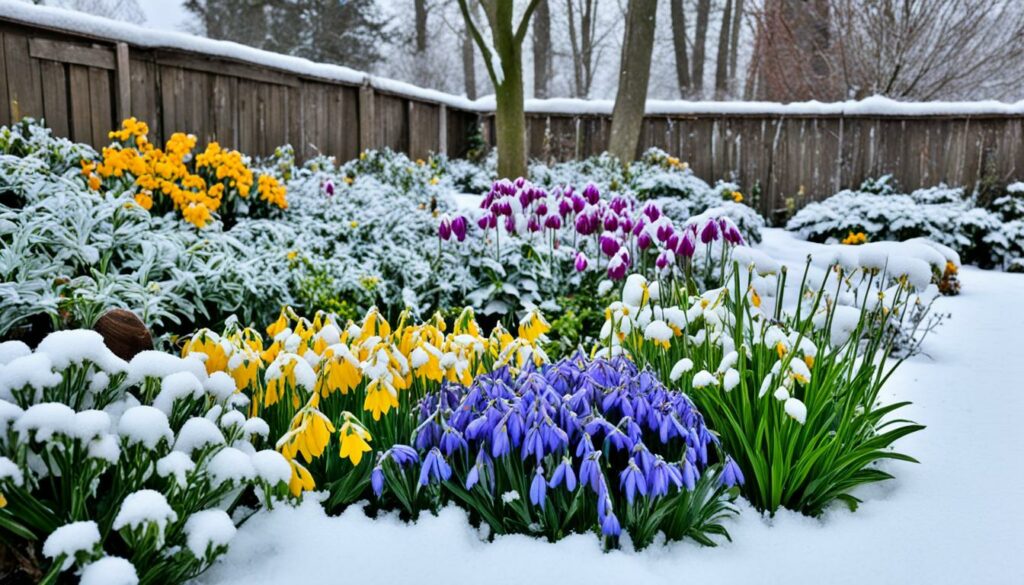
(958, 517)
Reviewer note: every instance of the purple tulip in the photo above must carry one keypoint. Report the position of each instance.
(709, 232)
(520, 182)
(459, 228)
(673, 242)
(687, 244)
(664, 231)
(329, 188)
(619, 265)
(510, 224)
(533, 224)
(619, 204)
(591, 194)
(611, 222)
(664, 259)
(581, 262)
(585, 224)
(644, 241)
(553, 222)
(565, 206)
(578, 203)
(542, 209)
(444, 229)
(609, 245)
(651, 211)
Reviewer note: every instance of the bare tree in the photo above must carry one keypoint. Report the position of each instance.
(634, 75)
(542, 62)
(503, 57)
(468, 64)
(734, 42)
(794, 48)
(679, 46)
(421, 11)
(722, 59)
(582, 21)
(929, 49)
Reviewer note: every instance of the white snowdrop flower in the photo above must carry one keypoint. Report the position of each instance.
(175, 387)
(703, 379)
(654, 291)
(11, 350)
(766, 385)
(796, 409)
(144, 507)
(71, 539)
(271, 467)
(510, 496)
(232, 419)
(46, 420)
(604, 287)
(105, 448)
(643, 316)
(78, 346)
(145, 425)
(197, 433)
(731, 379)
(799, 371)
(230, 465)
(675, 317)
(34, 371)
(177, 464)
(109, 571)
(659, 333)
(699, 337)
(291, 345)
(220, 385)
(90, 424)
(329, 334)
(682, 366)
(634, 292)
(256, 426)
(9, 470)
(781, 394)
(728, 361)
(209, 529)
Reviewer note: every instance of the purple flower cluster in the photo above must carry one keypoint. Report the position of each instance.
(600, 425)
(620, 231)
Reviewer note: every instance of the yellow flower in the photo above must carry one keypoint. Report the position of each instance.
(354, 440)
(278, 326)
(144, 200)
(737, 196)
(533, 326)
(854, 239)
(301, 480)
(309, 434)
(353, 224)
(755, 299)
(279, 377)
(339, 371)
(381, 397)
(435, 180)
(3, 501)
(292, 255)
(210, 344)
(94, 182)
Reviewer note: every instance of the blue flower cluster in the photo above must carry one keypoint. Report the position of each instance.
(601, 425)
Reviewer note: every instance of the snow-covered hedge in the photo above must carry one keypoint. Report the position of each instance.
(142, 460)
(990, 236)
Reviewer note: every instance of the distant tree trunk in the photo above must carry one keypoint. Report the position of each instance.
(503, 56)
(794, 51)
(737, 22)
(420, 8)
(700, 37)
(634, 74)
(542, 50)
(722, 60)
(468, 65)
(581, 43)
(679, 44)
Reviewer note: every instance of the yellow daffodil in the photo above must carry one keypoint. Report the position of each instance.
(355, 440)
(533, 325)
(301, 480)
(309, 434)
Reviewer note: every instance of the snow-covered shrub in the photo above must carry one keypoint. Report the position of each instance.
(786, 371)
(101, 456)
(985, 236)
(68, 253)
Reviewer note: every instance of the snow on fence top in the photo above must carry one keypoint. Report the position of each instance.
(102, 28)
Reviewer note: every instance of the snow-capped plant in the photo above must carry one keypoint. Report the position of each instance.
(948, 216)
(88, 466)
(787, 375)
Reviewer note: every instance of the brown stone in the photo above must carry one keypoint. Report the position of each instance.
(124, 333)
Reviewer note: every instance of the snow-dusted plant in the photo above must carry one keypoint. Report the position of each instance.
(989, 237)
(787, 371)
(99, 455)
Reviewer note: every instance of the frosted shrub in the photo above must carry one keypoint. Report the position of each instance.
(989, 237)
(88, 466)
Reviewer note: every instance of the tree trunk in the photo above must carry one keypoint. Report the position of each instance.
(700, 37)
(420, 9)
(468, 65)
(542, 50)
(634, 74)
(679, 44)
(722, 60)
(737, 22)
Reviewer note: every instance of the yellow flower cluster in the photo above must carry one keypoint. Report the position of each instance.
(369, 365)
(855, 239)
(198, 193)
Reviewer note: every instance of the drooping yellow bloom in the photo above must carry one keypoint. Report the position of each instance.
(210, 344)
(309, 434)
(301, 480)
(533, 326)
(354, 440)
(381, 397)
(339, 371)
(280, 376)
(278, 326)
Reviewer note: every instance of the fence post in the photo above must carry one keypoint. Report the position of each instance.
(122, 63)
(442, 129)
(367, 118)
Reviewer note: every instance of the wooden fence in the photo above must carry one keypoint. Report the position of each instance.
(83, 85)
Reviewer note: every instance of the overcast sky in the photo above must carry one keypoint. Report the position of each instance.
(164, 14)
